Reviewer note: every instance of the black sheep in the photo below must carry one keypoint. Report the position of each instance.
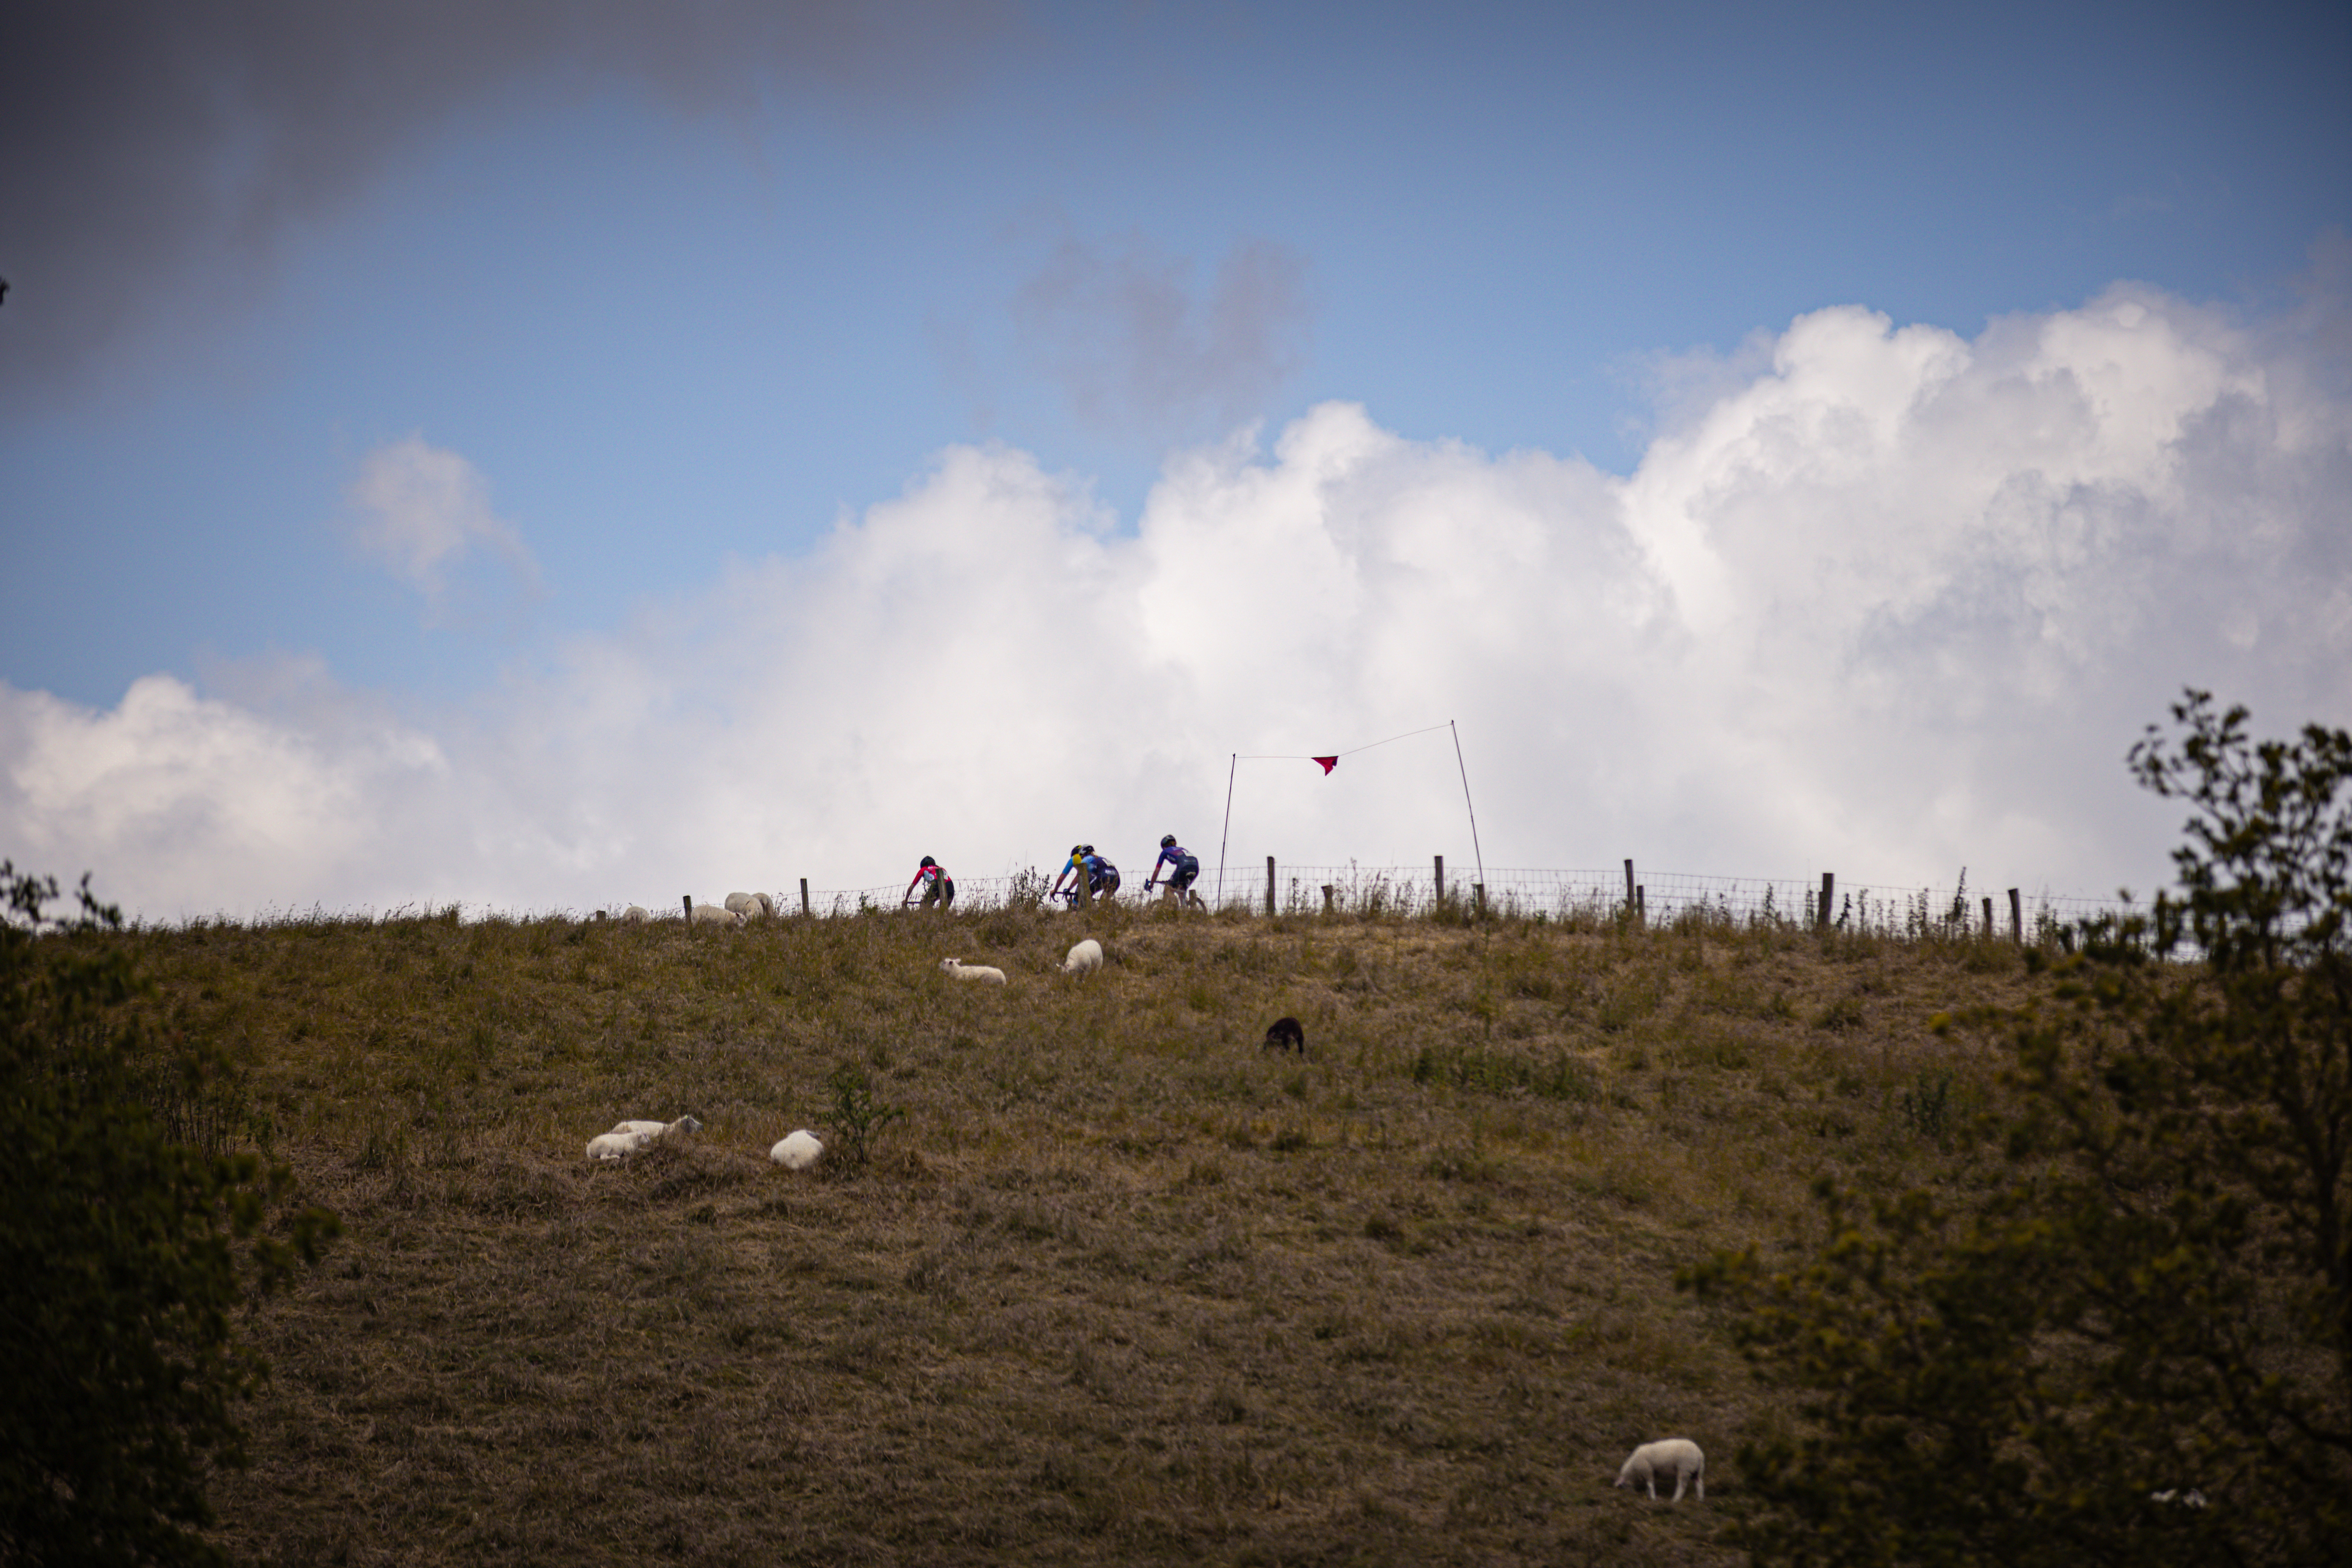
(1285, 1033)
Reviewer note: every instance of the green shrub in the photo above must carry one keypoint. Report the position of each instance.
(123, 1252)
(2159, 1295)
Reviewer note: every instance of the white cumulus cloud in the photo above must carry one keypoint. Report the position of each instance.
(1890, 602)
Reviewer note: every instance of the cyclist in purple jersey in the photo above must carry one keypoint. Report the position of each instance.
(1183, 867)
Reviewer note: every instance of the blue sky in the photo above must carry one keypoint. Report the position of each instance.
(684, 295)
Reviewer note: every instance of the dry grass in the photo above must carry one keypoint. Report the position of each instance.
(1122, 1286)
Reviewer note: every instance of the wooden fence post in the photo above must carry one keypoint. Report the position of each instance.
(1629, 887)
(804, 909)
(1440, 878)
(2016, 919)
(1642, 906)
(689, 908)
(1478, 897)
(1085, 886)
(1988, 917)
(1269, 884)
(1829, 901)
(1327, 897)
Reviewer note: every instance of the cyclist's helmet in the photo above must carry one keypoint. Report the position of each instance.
(928, 862)
(1086, 848)
(1168, 841)
(1078, 848)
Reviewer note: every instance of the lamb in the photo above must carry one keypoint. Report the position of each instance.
(751, 906)
(635, 915)
(797, 1151)
(1085, 958)
(717, 915)
(1679, 1454)
(962, 971)
(1286, 1033)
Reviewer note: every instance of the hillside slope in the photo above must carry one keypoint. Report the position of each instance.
(1121, 1285)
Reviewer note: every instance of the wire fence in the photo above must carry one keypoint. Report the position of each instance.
(1655, 898)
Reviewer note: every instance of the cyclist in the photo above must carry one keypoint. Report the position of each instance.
(1101, 875)
(1072, 870)
(1182, 867)
(939, 887)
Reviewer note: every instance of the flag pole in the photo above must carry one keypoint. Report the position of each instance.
(1229, 769)
(1465, 801)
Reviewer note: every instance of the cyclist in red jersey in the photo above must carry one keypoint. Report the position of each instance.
(939, 887)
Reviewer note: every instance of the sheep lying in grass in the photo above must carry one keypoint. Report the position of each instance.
(616, 1145)
(1085, 958)
(797, 1151)
(962, 971)
(1678, 1456)
(635, 915)
(683, 1124)
(717, 915)
(751, 906)
(626, 1138)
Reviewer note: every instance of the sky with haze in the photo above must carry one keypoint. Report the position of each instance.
(568, 453)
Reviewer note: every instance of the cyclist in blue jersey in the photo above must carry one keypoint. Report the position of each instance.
(1072, 870)
(1102, 877)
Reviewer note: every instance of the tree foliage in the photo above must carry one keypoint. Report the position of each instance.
(2153, 1294)
(126, 1254)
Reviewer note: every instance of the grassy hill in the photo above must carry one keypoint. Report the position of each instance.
(1122, 1287)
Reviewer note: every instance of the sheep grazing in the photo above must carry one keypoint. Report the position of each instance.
(1286, 1034)
(2192, 1498)
(1085, 958)
(717, 915)
(751, 906)
(635, 915)
(797, 1151)
(962, 971)
(615, 1145)
(1677, 1456)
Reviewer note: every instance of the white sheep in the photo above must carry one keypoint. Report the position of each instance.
(615, 1145)
(962, 971)
(2192, 1498)
(717, 915)
(1085, 958)
(751, 906)
(1679, 1454)
(656, 1129)
(796, 1151)
(635, 915)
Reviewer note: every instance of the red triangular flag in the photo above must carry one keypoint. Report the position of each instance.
(1328, 763)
